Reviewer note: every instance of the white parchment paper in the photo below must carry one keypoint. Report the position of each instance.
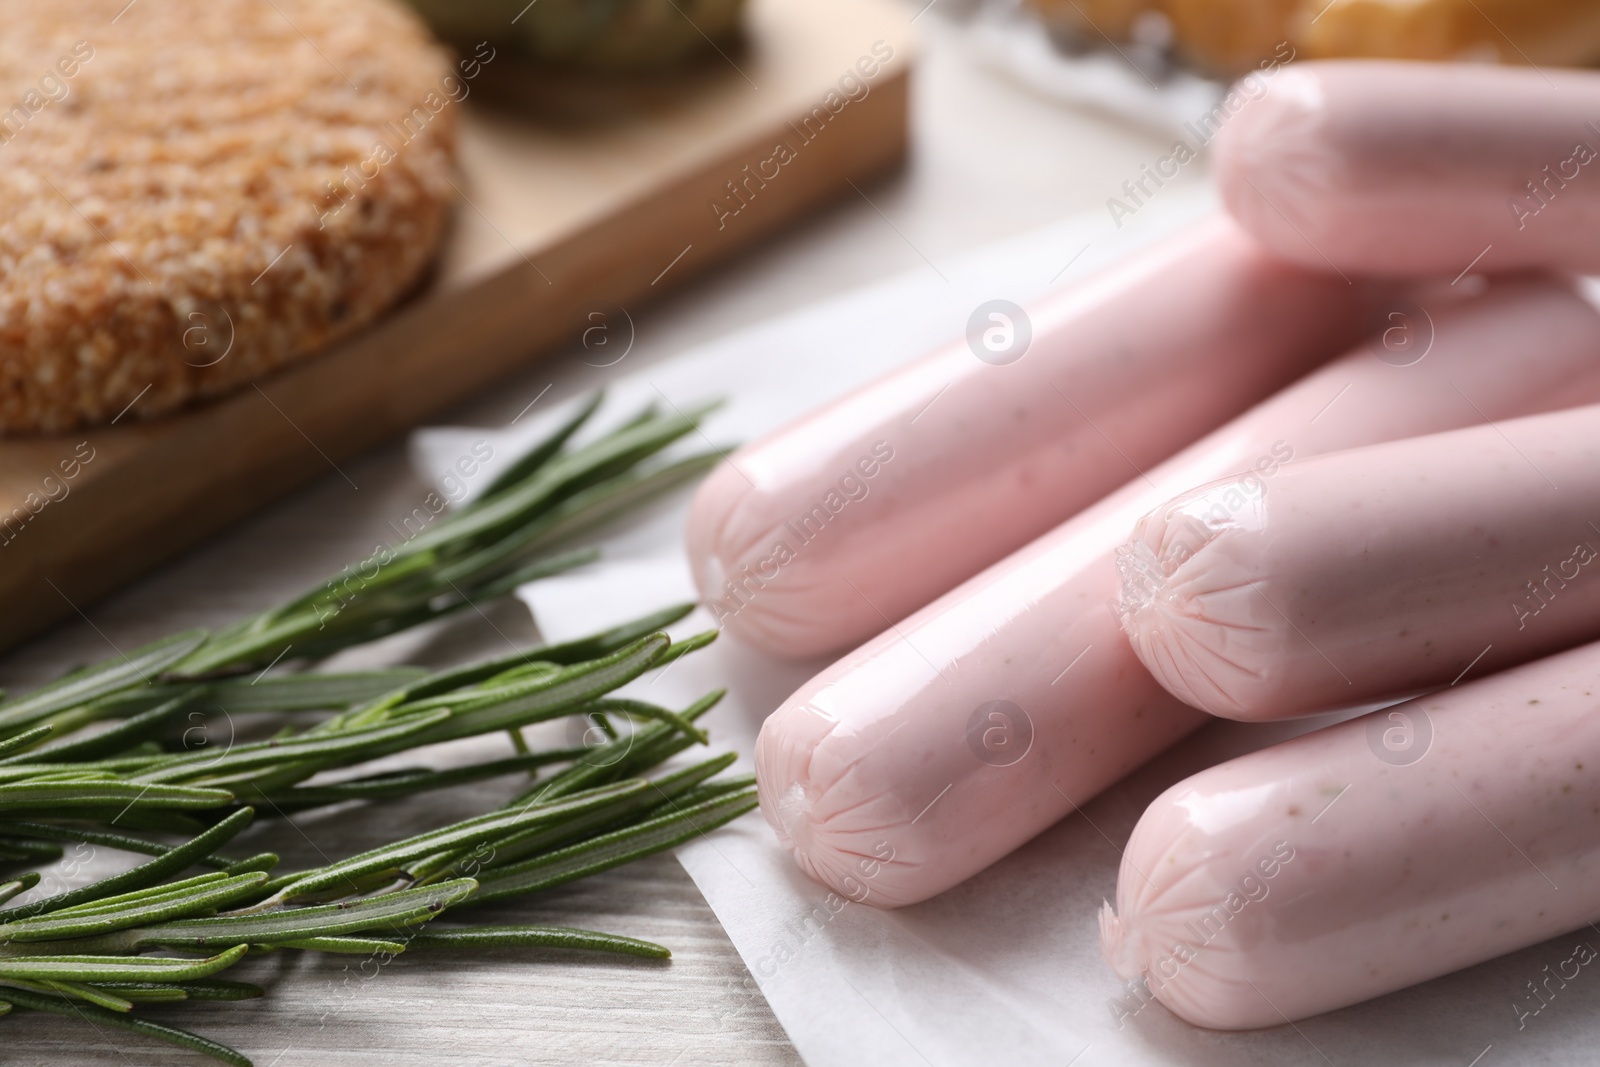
(1004, 969)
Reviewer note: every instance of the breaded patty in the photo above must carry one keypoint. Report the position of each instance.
(195, 192)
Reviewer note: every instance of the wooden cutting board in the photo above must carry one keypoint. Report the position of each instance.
(579, 202)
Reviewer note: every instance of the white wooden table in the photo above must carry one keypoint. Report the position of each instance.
(990, 159)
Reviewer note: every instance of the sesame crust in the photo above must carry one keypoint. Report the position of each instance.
(220, 187)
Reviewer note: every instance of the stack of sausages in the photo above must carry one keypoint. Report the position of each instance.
(1405, 504)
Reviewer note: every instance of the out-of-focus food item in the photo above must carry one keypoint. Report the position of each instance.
(1114, 19)
(826, 532)
(611, 36)
(1418, 168)
(1230, 37)
(1372, 574)
(1372, 855)
(204, 191)
(1542, 32)
(943, 744)
(1233, 36)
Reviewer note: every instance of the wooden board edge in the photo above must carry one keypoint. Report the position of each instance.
(59, 564)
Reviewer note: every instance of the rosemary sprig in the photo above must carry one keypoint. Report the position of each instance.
(83, 952)
(417, 582)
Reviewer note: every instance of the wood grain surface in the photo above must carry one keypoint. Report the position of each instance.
(557, 216)
(494, 1009)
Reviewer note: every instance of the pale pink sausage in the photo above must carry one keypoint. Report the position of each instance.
(1393, 168)
(825, 532)
(941, 745)
(1372, 855)
(1374, 574)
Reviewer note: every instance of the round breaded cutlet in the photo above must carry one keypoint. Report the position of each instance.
(196, 192)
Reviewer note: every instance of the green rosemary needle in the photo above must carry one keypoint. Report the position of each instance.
(83, 952)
